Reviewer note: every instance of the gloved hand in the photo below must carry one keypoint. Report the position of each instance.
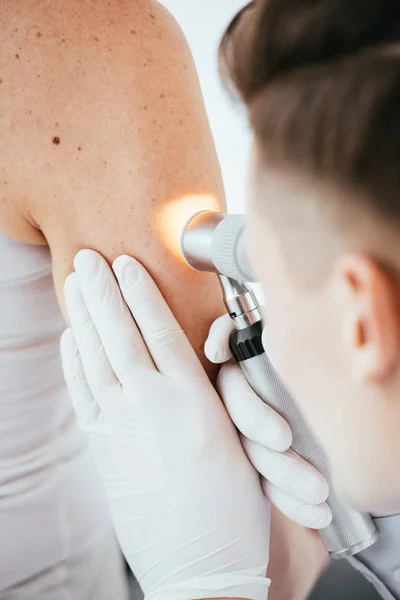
(296, 488)
(187, 505)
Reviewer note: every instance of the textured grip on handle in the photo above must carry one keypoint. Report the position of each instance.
(350, 531)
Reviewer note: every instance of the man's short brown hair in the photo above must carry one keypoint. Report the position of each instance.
(321, 80)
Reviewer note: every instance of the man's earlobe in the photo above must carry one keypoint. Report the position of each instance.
(369, 298)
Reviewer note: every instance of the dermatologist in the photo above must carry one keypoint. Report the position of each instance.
(189, 508)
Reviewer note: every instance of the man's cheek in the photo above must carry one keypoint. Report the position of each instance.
(279, 345)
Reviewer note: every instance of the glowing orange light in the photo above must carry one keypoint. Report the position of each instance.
(177, 212)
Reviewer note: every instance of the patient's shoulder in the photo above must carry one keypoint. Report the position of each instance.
(84, 87)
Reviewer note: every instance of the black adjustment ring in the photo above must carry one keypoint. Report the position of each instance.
(247, 343)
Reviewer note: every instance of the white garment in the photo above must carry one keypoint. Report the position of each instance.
(53, 513)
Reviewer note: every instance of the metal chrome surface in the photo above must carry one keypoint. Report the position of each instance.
(241, 303)
(196, 240)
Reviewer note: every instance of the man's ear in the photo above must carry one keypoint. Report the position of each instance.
(369, 298)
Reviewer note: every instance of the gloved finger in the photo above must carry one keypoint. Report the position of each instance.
(117, 330)
(216, 347)
(86, 408)
(98, 371)
(169, 347)
(288, 472)
(316, 516)
(252, 417)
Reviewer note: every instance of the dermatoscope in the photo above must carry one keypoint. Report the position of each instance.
(214, 242)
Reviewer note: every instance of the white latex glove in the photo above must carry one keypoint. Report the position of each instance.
(296, 488)
(187, 505)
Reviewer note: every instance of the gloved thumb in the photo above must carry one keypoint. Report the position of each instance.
(217, 344)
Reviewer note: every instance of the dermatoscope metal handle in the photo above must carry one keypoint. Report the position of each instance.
(350, 531)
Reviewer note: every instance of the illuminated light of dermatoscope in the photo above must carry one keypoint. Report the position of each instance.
(176, 213)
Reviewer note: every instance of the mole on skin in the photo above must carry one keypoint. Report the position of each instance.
(56, 140)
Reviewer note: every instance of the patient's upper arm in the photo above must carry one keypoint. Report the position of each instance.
(108, 131)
